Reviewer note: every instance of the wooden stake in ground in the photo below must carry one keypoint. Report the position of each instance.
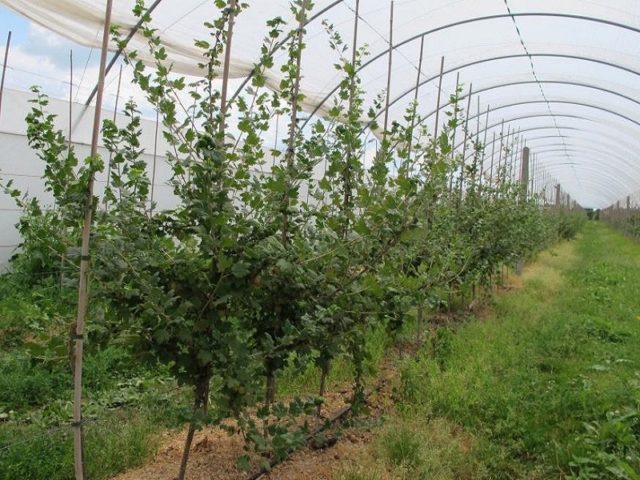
(325, 364)
(201, 397)
(85, 266)
(115, 118)
(484, 147)
(63, 256)
(415, 96)
(453, 135)
(465, 142)
(155, 161)
(389, 71)
(435, 130)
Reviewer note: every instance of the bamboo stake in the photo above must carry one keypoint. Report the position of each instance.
(115, 116)
(435, 134)
(484, 145)
(346, 178)
(155, 159)
(502, 147)
(466, 138)
(225, 72)
(202, 391)
(390, 66)
(275, 142)
(493, 152)
(475, 145)
(63, 256)
(4, 68)
(415, 97)
(291, 144)
(70, 98)
(453, 137)
(85, 266)
(117, 54)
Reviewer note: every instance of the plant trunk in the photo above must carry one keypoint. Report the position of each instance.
(324, 373)
(419, 323)
(270, 393)
(200, 404)
(269, 396)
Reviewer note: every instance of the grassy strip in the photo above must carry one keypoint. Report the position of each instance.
(548, 387)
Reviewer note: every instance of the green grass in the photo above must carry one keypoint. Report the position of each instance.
(558, 353)
(112, 445)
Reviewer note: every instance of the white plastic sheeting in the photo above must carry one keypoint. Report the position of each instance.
(573, 55)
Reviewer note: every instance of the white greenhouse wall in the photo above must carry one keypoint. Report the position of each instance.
(19, 163)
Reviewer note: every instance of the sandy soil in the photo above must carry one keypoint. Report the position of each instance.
(214, 451)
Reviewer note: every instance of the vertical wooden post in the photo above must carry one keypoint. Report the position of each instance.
(503, 145)
(435, 134)
(225, 71)
(202, 389)
(558, 195)
(291, 143)
(389, 68)
(453, 135)
(85, 266)
(524, 182)
(475, 143)
(69, 134)
(493, 154)
(524, 172)
(4, 69)
(346, 174)
(155, 161)
(415, 96)
(70, 98)
(466, 139)
(484, 144)
(115, 116)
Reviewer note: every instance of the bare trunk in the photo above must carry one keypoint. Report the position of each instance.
(200, 404)
(324, 373)
(419, 323)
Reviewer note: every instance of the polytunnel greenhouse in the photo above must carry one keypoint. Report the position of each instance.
(317, 239)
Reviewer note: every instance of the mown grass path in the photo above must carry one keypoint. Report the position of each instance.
(546, 386)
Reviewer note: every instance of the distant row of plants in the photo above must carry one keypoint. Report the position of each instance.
(625, 220)
(265, 263)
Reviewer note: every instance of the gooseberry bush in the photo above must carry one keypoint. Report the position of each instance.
(272, 258)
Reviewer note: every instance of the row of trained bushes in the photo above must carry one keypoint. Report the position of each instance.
(264, 264)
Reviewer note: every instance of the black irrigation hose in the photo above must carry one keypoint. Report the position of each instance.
(330, 422)
(276, 461)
